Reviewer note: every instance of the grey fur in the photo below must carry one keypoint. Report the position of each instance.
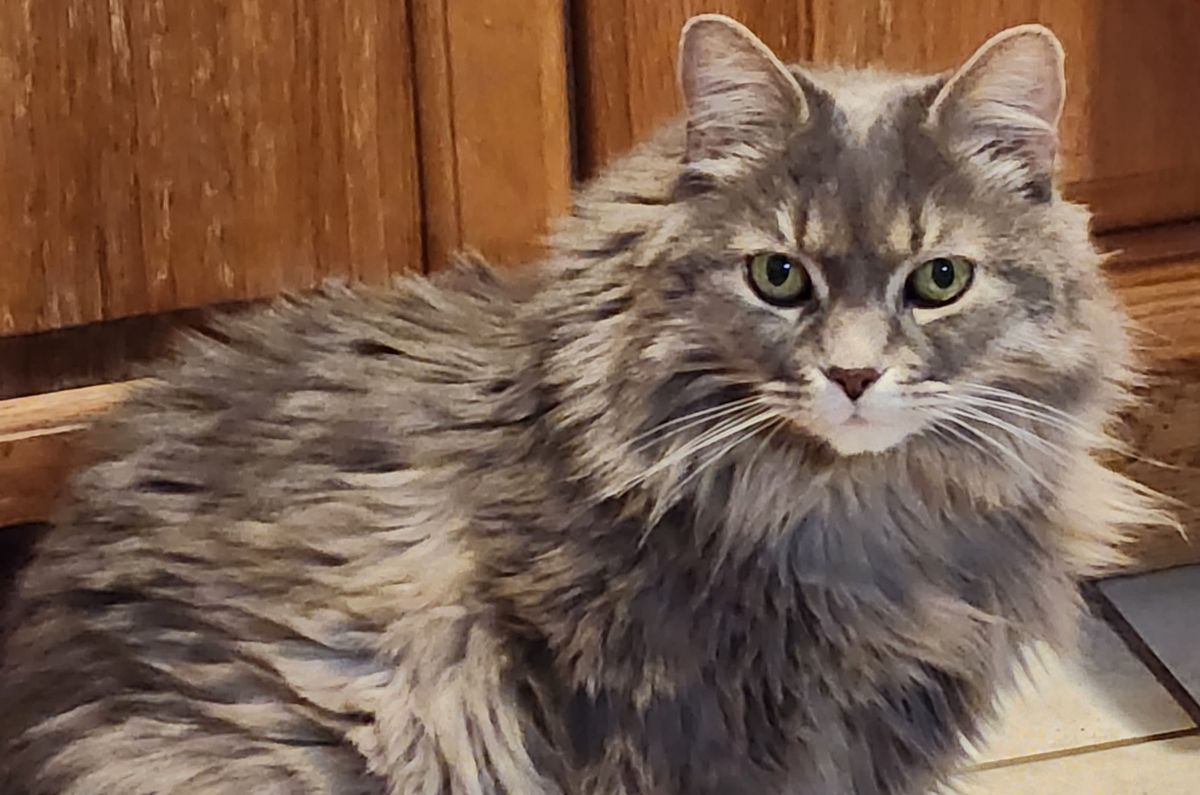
(444, 539)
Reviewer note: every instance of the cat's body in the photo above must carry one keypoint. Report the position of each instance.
(463, 537)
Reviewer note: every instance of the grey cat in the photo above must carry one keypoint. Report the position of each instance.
(759, 484)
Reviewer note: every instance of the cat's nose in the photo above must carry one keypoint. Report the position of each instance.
(853, 381)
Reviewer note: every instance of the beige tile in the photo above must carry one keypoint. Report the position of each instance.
(1167, 767)
(1164, 609)
(1100, 694)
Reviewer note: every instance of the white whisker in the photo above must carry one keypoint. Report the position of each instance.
(958, 417)
(955, 434)
(1030, 412)
(1018, 397)
(1019, 405)
(678, 488)
(680, 424)
(1015, 431)
(716, 435)
(999, 447)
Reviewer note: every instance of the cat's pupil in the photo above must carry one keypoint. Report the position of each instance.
(943, 273)
(778, 269)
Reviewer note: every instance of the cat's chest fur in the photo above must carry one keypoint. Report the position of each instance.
(665, 653)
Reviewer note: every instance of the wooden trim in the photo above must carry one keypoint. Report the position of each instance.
(1129, 202)
(1148, 245)
(435, 129)
(39, 444)
(58, 412)
(1163, 299)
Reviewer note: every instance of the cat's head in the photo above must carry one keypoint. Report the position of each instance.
(869, 258)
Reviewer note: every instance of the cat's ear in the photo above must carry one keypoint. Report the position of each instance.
(1002, 108)
(740, 98)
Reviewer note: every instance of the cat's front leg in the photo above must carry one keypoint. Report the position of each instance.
(450, 722)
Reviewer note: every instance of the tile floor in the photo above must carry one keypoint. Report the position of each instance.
(1119, 717)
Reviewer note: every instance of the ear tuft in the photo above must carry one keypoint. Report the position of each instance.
(741, 99)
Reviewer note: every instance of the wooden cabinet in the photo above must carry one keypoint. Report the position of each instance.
(160, 155)
(157, 156)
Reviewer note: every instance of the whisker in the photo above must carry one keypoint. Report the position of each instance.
(1028, 409)
(1013, 430)
(959, 421)
(722, 452)
(1018, 397)
(1028, 412)
(1001, 449)
(705, 440)
(1056, 418)
(699, 469)
(954, 434)
(658, 432)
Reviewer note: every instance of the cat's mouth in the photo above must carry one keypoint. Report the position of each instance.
(859, 429)
(858, 435)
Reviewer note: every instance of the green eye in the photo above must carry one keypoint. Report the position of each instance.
(939, 282)
(778, 280)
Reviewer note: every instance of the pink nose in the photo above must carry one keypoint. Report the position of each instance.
(853, 381)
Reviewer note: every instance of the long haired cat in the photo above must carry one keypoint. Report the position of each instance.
(758, 484)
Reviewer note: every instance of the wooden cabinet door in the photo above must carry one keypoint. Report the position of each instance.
(156, 154)
(163, 155)
(496, 140)
(1129, 129)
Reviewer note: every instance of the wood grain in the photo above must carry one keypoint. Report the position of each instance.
(1166, 429)
(1163, 299)
(157, 155)
(1128, 132)
(1158, 243)
(1162, 296)
(495, 124)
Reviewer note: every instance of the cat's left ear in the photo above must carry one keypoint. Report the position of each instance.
(741, 100)
(1002, 108)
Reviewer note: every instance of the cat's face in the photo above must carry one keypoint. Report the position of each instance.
(873, 256)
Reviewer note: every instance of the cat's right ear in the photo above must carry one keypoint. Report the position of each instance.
(740, 98)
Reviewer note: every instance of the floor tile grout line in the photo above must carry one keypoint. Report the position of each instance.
(1133, 639)
(1063, 753)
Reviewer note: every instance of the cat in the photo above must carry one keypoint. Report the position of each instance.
(759, 483)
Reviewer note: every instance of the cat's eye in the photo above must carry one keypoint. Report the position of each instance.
(939, 282)
(779, 280)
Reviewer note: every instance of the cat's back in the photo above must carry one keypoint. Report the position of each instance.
(265, 510)
(278, 408)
